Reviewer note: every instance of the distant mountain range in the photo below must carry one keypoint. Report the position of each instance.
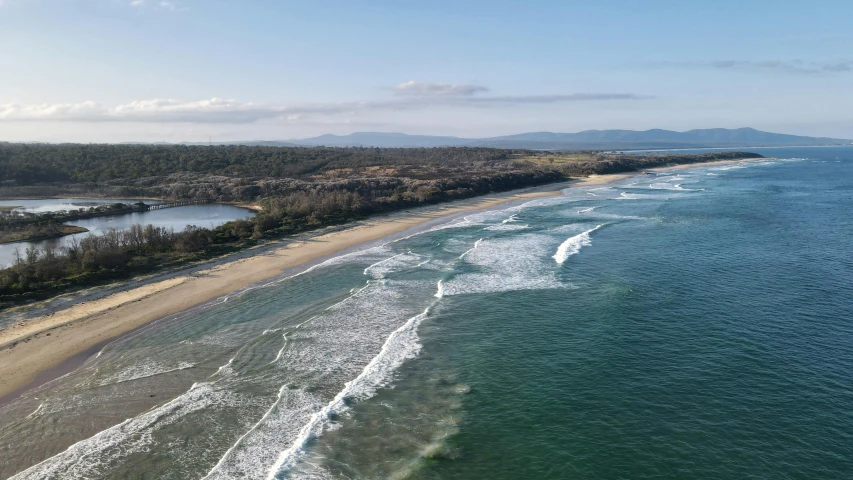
(586, 140)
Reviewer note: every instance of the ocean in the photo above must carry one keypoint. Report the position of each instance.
(694, 323)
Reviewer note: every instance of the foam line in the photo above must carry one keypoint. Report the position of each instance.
(254, 427)
(573, 245)
(367, 270)
(476, 244)
(400, 345)
(139, 372)
(507, 227)
(77, 460)
(352, 293)
(440, 292)
(281, 350)
(223, 367)
(35, 411)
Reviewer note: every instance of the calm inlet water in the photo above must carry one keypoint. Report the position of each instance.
(690, 324)
(41, 205)
(206, 216)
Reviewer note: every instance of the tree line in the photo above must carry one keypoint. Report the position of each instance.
(97, 163)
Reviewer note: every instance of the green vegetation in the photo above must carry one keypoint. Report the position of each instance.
(558, 158)
(299, 189)
(20, 218)
(32, 233)
(21, 226)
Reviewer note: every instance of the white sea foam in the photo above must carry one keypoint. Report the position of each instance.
(729, 167)
(383, 267)
(144, 370)
(510, 227)
(353, 348)
(677, 187)
(463, 223)
(573, 245)
(665, 186)
(347, 257)
(638, 196)
(280, 350)
(41, 405)
(225, 369)
(588, 209)
(401, 345)
(506, 264)
(440, 292)
(330, 350)
(223, 338)
(91, 458)
(249, 456)
(613, 216)
(466, 252)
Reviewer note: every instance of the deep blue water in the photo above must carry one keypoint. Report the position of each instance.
(688, 324)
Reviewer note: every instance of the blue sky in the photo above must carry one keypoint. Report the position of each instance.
(188, 70)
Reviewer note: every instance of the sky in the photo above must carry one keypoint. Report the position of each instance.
(230, 70)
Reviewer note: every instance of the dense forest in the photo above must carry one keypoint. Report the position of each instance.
(100, 163)
(298, 188)
(234, 173)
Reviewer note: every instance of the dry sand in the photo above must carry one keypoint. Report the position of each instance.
(35, 350)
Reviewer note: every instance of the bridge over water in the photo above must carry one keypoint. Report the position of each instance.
(181, 203)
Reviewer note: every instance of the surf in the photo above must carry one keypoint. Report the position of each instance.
(573, 245)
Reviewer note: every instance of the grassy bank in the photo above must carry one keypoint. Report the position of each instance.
(38, 233)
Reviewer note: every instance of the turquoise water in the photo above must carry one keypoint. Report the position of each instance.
(688, 324)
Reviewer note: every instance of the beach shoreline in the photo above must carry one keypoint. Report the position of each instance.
(62, 340)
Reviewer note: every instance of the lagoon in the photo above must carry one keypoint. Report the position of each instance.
(178, 218)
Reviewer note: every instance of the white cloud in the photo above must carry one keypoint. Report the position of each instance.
(555, 98)
(219, 110)
(61, 111)
(779, 66)
(413, 87)
(163, 4)
(215, 110)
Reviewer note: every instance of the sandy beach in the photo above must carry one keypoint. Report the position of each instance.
(36, 350)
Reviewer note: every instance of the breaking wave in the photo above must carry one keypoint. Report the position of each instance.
(573, 245)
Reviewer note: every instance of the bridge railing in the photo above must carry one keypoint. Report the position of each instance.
(161, 206)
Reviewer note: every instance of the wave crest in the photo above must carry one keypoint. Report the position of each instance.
(573, 245)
